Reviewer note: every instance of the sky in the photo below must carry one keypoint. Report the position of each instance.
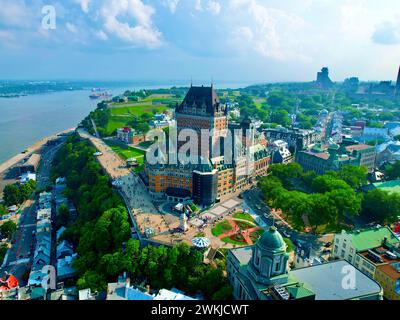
(227, 40)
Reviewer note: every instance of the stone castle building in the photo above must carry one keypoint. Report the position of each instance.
(217, 170)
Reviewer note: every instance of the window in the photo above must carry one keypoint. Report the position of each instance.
(343, 253)
(276, 266)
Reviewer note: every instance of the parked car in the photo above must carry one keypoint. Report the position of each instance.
(285, 234)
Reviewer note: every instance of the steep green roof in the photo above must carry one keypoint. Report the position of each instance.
(373, 238)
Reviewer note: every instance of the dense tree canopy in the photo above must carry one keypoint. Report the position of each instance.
(329, 200)
(392, 171)
(16, 194)
(381, 206)
(8, 228)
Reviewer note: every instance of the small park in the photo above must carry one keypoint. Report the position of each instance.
(240, 229)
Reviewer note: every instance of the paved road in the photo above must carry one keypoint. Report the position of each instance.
(95, 128)
(19, 255)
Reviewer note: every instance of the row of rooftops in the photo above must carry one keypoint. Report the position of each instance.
(345, 153)
(373, 237)
(42, 254)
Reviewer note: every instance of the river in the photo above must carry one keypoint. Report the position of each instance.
(28, 119)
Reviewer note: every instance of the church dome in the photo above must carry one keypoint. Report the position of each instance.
(272, 240)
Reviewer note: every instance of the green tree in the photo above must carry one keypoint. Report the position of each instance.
(327, 183)
(93, 280)
(3, 210)
(112, 264)
(296, 204)
(63, 216)
(347, 202)
(271, 188)
(3, 252)
(8, 229)
(223, 294)
(354, 176)
(324, 211)
(281, 117)
(381, 206)
(286, 173)
(392, 171)
(12, 195)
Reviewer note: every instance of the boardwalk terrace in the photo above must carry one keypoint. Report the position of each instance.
(214, 175)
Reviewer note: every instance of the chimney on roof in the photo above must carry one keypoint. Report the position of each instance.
(385, 239)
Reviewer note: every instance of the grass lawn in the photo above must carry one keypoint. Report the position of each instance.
(116, 123)
(221, 228)
(290, 245)
(123, 113)
(129, 109)
(127, 152)
(243, 216)
(239, 242)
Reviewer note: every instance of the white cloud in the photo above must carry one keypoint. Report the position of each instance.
(71, 27)
(387, 33)
(14, 13)
(212, 6)
(84, 5)
(271, 32)
(171, 5)
(6, 36)
(243, 33)
(198, 5)
(140, 32)
(101, 35)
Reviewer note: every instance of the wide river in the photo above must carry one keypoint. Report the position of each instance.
(26, 120)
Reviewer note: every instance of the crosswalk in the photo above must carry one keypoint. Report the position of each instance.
(18, 262)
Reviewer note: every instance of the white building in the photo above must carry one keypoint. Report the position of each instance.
(347, 245)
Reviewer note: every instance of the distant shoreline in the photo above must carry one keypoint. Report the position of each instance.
(6, 165)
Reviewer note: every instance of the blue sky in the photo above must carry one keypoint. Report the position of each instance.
(229, 40)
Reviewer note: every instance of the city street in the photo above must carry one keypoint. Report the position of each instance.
(19, 256)
(18, 259)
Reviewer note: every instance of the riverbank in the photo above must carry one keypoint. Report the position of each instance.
(29, 151)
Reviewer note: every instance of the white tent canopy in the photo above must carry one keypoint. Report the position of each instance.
(201, 242)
